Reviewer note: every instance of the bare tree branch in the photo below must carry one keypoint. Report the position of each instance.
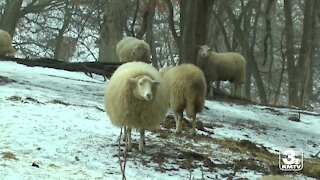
(171, 23)
(134, 18)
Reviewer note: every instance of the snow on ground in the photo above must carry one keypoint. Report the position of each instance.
(52, 126)
(241, 122)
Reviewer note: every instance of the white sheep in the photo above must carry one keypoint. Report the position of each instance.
(187, 87)
(6, 48)
(136, 97)
(228, 66)
(133, 49)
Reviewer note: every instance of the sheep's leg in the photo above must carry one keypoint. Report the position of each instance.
(218, 83)
(240, 88)
(233, 89)
(128, 139)
(124, 133)
(191, 112)
(194, 125)
(237, 90)
(178, 117)
(142, 140)
(208, 88)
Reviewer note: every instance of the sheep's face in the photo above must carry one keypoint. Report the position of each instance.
(139, 51)
(143, 87)
(204, 51)
(202, 56)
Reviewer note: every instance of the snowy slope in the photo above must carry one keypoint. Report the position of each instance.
(52, 126)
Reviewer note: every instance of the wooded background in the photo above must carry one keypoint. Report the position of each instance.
(280, 39)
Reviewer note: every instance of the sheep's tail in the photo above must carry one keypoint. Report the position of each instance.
(196, 98)
(190, 109)
(194, 105)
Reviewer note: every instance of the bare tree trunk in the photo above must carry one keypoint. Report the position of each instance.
(310, 94)
(171, 23)
(248, 48)
(11, 16)
(194, 25)
(149, 33)
(278, 89)
(59, 39)
(306, 51)
(268, 30)
(292, 69)
(268, 45)
(250, 52)
(112, 29)
(247, 84)
(187, 28)
(283, 57)
(144, 24)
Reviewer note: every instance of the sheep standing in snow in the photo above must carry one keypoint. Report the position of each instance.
(6, 48)
(222, 66)
(133, 49)
(187, 87)
(136, 97)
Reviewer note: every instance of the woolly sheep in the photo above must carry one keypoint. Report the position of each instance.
(222, 66)
(6, 48)
(187, 87)
(136, 97)
(133, 49)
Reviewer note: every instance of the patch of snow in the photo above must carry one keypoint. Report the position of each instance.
(257, 124)
(53, 123)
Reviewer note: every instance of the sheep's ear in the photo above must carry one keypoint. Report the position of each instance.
(154, 82)
(134, 80)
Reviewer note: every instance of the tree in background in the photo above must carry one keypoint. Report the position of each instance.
(112, 29)
(194, 27)
(11, 15)
(279, 38)
(52, 28)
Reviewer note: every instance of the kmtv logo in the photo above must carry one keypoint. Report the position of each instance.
(291, 159)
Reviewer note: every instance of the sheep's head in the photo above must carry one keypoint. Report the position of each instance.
(139, 51)
(204, 51)
(143, 87)
(203, 54)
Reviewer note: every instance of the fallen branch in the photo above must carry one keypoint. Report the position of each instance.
(317, 155)
(105, 69)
